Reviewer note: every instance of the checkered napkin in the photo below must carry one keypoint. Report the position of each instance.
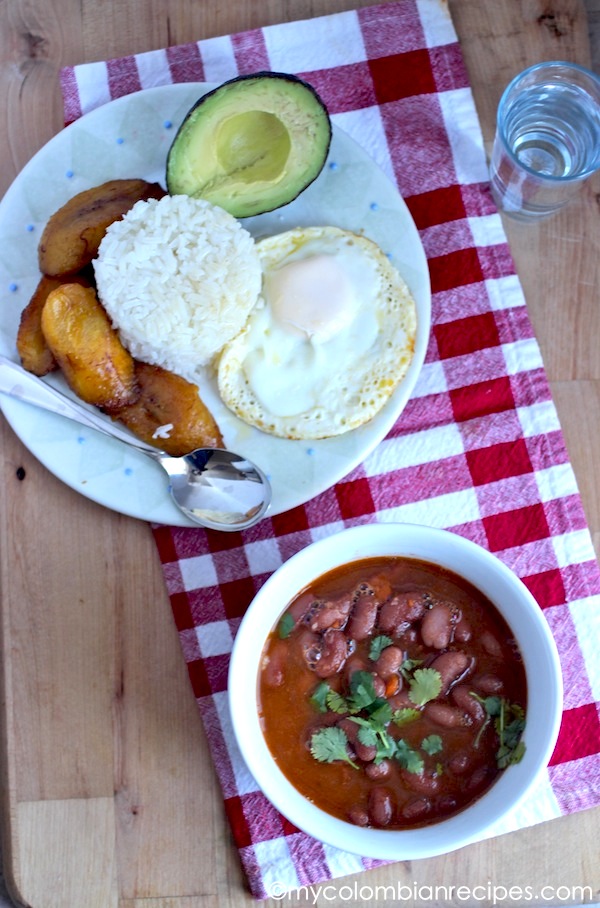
(478, 450)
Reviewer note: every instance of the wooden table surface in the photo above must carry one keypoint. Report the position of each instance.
(109, 794)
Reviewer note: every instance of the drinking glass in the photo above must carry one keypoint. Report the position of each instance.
(547, 139)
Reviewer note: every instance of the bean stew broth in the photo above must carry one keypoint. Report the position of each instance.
(357, 640)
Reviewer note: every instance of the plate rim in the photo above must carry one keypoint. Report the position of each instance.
(14, 410)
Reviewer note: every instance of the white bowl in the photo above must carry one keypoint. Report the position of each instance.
(513, 601)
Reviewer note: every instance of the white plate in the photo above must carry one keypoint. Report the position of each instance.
(130, 137)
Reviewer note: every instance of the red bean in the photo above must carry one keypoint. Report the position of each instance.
(349, 727)
(446, 716)
(459, 763)
(437, 626)
(301, 607)
(478, 778)
(401, 700)
(465, 700)
(363, 617)
(390, 617)
(273, 665)
(446, 803)
(310, 647)
(333, 653)
(490, 644)
(378, 685)
(381, 587)
(452, 666)
(462, 631)
(380, 806)
(366, 752)
(415, 808)
(378, 770)
(408, 637)
(355, 663)
(358, 816)
(398, 612)
(330, 614)
(488, 683)
(389, 661)
(421, 782)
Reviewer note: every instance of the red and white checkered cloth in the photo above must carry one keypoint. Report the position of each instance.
(478, 449)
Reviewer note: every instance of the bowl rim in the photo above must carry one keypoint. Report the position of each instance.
(492, 577)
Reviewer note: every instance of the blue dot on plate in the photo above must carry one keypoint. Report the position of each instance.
(310, 451)
(69, 174)
(128, 471)
(30, 228)
(374, 206)
(168, 124)
(334, 165)
(81, 439)
(120, 140)
(13, 287)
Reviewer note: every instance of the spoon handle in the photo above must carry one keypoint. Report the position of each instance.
(17, 382)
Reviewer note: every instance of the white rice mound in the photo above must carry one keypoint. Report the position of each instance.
(178, 277)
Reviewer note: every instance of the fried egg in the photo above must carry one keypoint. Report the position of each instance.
(329, 340)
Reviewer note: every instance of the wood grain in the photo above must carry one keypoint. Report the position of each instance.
(109, 793)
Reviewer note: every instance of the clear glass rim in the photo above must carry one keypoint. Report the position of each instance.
(550, 65)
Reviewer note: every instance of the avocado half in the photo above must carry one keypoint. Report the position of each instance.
(251, 145)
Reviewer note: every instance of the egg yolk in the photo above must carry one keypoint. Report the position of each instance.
(312, 298)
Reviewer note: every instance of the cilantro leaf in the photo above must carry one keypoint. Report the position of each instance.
(492, 705)
(367, 735)
(325, 698)
(386, 748)
(380, 713)
(378, 644)
(373, 730)
(286, 626)
(403, 716)
(362, 691)
(408, 666)
(432, 744)
(509, 724)
(319, 696)
(425, 685)
(336, 703)
(330, 744)
(508, 757)
(408, 758)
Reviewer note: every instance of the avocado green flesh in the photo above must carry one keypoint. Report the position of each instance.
(251, 146)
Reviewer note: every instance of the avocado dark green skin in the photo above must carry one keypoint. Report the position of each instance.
(252, 144)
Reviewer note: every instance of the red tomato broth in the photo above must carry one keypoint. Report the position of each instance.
(289, 717)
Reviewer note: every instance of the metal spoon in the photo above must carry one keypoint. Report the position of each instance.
(213, 487)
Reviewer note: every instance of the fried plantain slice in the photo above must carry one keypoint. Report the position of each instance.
(169, 413)
(73, 234)
(32, 348)
(95, 363)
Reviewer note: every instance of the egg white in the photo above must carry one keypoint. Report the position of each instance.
(329, 340)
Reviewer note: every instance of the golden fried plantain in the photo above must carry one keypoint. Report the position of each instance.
(35, 353)
(169, 413)
(73, 234)
(95, 363)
